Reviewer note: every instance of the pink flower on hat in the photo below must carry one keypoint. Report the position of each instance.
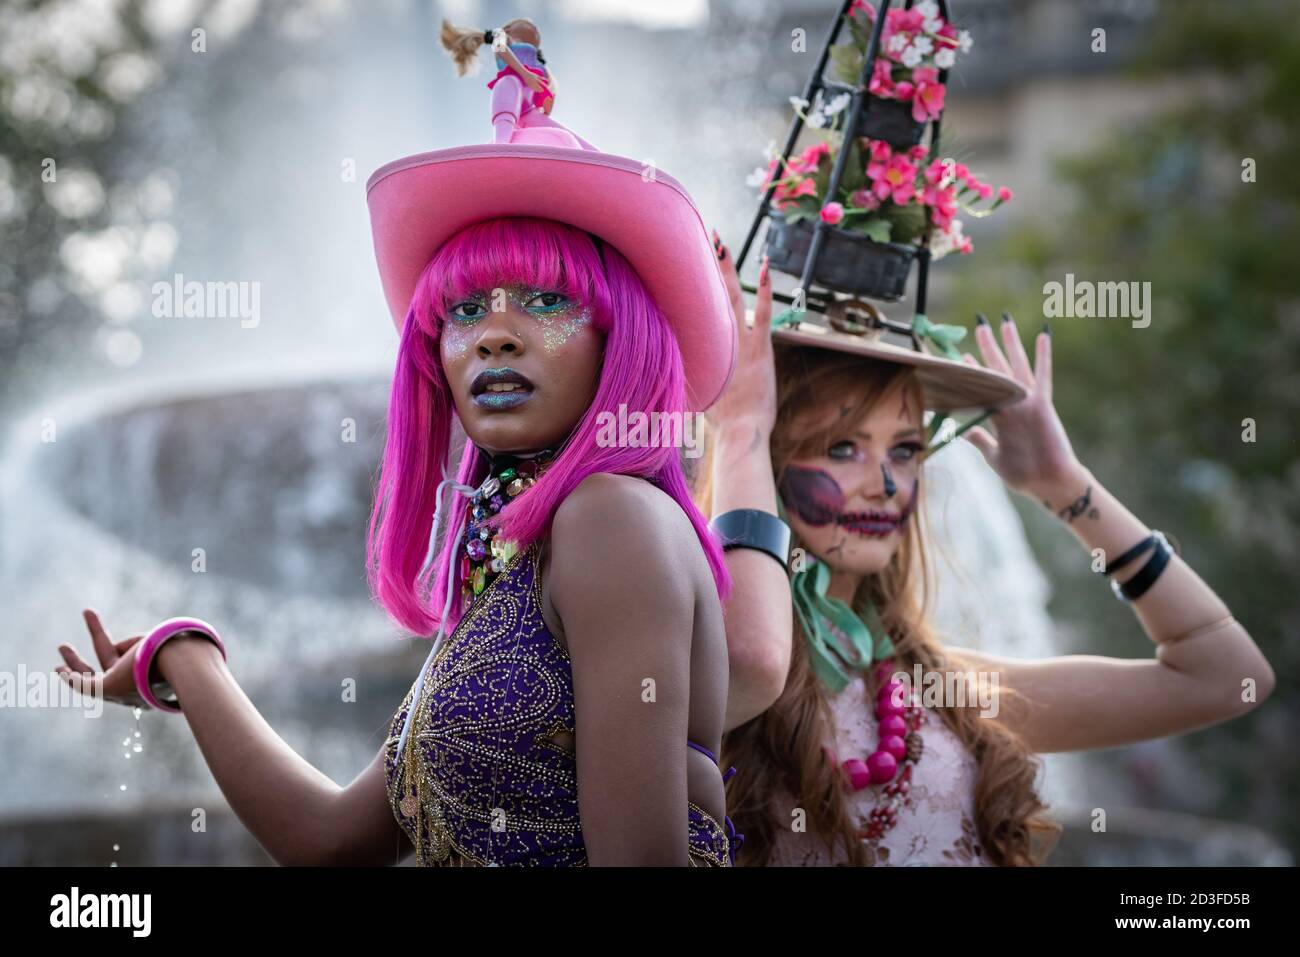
(944, 207)
(807, 161)
(832, 213)
(927, 102)
(935, 172)
(863, 199)
(905, 21)
(880, 151)
(882, 83)
(786, 193)
(893, 180)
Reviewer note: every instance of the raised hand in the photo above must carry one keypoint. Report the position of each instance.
(1031, 452)
(750, 396)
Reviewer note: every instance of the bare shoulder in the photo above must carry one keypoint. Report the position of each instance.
(622, 540)
(630, 511)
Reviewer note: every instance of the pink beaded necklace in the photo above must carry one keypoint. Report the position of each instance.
(898, 749)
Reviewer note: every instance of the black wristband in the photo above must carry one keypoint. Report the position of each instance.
(753, 528)
(1129, 555)
(1137, 586)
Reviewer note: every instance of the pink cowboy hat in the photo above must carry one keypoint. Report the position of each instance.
(418, 203)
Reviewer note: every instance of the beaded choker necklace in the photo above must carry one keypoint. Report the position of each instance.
(484, 553)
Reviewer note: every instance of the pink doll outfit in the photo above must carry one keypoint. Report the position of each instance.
(512, 106)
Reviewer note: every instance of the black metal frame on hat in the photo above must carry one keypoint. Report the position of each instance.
(824, 300)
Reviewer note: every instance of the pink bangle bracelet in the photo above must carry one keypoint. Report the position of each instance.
(149, 649)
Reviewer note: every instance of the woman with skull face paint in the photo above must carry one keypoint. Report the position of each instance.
(852, 765)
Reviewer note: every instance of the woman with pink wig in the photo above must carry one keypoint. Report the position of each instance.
(573, 701)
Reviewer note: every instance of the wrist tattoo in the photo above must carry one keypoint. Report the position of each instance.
(1080, 506)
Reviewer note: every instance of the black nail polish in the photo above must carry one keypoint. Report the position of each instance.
(722, 252)
(1047, 329)
(980, 320)
(1006, 317)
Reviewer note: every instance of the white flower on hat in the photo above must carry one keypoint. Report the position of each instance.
(838, 103)
(945, 58)
(943, 242)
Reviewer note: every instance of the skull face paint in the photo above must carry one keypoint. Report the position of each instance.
(850, 500)
(813, 495)
(879, 524)
(890, 488)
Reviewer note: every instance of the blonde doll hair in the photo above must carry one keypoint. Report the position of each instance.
(462, 43)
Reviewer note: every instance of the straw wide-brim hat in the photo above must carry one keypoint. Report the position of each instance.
(949, 386)
(419, 202)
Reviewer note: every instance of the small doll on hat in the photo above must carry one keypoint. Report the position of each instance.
(523, 91)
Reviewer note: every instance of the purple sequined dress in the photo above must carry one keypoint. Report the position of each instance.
(488, 775)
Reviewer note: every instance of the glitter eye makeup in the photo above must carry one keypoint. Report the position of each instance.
(561, 319)
(466, 318)
(560, 316)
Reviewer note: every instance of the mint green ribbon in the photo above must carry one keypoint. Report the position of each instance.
(944, 337)
(819, 613)
(789, 317)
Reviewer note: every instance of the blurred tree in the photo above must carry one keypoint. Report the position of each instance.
(1163, 414)
(69, 72)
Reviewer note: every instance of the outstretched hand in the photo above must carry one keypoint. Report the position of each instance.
(116, 682)
(1031, 452)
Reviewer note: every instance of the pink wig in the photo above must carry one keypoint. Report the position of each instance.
(641, 369)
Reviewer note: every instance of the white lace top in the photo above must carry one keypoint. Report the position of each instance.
(936, 820)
